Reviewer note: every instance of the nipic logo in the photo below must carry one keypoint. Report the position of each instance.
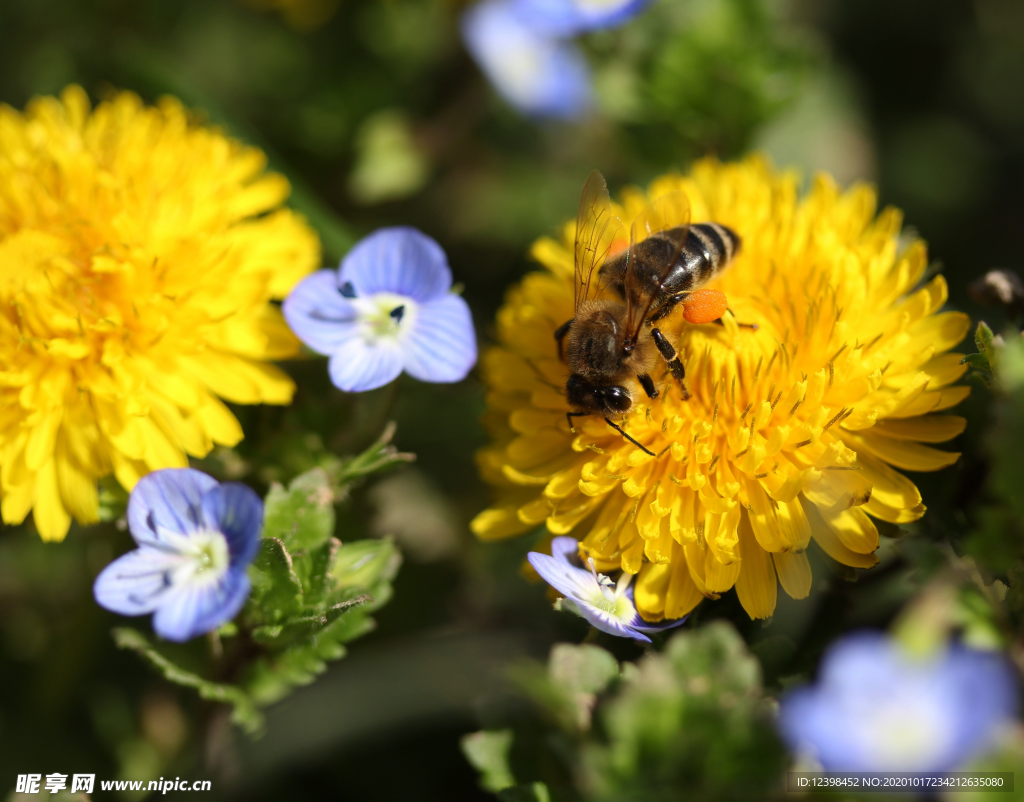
(80, 783)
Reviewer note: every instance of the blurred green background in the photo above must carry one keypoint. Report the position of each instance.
(378, 117)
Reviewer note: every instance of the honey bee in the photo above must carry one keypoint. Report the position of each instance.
(612, 345)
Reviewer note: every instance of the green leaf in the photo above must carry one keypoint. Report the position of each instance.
(302, 516)
(488, 751)
(693, 717)
(568, 688)
(978, 362)
(378, 457)
(317, 584)
(276, 589)
(113, 499)
(245, 713)
(582, 669)
(1007, 438)
(366, 564)
(985, 341)
(307, 626)
(272, 677)
(534, 792)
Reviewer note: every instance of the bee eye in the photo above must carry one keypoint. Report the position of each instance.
(615, 398)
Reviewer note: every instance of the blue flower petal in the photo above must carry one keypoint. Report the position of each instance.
(136, 583)
(535, 73)
(171, 498)
(358, 366)
(318, 313)
(994, 702)
(441, 344)
(572, 17)
(563, 577)
(193, 609)
(565, 548)
(237, 512)
(946, 708)
(606, 622)
(400, 260)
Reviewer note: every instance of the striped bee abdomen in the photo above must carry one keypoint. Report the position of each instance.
(709, 248)
(666, 264)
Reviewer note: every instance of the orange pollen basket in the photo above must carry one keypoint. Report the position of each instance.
(704, 306)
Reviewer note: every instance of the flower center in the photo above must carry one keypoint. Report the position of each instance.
(610, 598)
(206, 557)
(908, 735)
(384, 315)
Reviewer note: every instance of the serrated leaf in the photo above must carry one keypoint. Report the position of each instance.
(318, 584)
(978, 362)
(365, 563)
(487, 751)
(245, 713)
(985, 341)
(276, 589)
(302, 516)
(307, 626)
(272, 677)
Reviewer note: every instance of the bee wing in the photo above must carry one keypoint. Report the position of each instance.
(667, 217)
(597, 228)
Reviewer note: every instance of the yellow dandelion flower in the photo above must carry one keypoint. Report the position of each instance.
(138, 256)
(793, 431)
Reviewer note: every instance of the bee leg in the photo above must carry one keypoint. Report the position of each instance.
(570, 415)
(623, 433)
(752, 326)
(675, 364)
(560, 333)
(669, 306)
(648, 384)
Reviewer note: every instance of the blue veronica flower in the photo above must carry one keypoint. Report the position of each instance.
(607, 605)
(877, 708)
(571, 17)
(388, 308)
(537, 74)
(196, 538)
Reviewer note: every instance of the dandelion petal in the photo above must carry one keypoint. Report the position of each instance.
(398, 260)
(171, 499)
(191, 609)
(318, 313)
(441, 347)
(237, 512)
(359, 365)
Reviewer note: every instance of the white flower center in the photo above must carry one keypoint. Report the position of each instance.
(907, 736)
(609, 597)
(384, 315)
(204, 558)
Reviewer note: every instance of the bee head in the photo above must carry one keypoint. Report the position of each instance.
(607, 399)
